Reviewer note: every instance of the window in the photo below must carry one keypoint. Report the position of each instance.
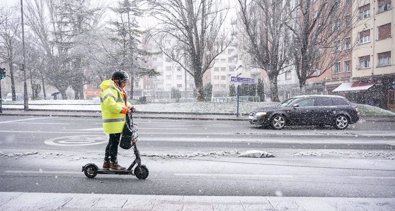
(168, 59)
(337, 46)
(223, 69)
(179, 85)
(364, 36)
(216, 69)
(384, 31)
(347, 66)
(384, 58)
(348, 20)
(168, 68)
(306, 102)
(364, 62)
(347, 43)
(337, 67)
(323, 101)
(179, 77)
(339, 101)
(168, 77)
(384, 5)
(216, 77)
(288, 75)
(316, 72)
(364, 11)
(223, 77)
(336, 25)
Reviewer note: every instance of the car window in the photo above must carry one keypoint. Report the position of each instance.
(339, 101)
(305, 102)
(323, 101)
(288, 102)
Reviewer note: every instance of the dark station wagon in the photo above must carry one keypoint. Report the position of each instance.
(317, 110)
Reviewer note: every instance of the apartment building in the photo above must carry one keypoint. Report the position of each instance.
(232, 62)
(171, 76)
(373, 63)
(335, 67)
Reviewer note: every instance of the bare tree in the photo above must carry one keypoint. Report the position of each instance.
(9, 42)
(319, 30)
(189, 33)
(264, 23)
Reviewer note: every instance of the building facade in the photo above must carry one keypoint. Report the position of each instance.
(373, 63)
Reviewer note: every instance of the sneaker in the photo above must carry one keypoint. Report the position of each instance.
(114, 166)
(106, 165)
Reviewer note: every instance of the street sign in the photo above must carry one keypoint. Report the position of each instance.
(242, 80)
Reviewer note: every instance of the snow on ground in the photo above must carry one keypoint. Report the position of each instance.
(295, 153)
(387, 155)
(256, 154)
(189, 107)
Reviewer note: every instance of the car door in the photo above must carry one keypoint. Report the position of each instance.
(323, 110)
(302, 113)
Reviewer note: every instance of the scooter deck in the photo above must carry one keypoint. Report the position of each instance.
(104, 171)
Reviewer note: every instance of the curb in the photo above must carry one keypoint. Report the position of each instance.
(158, 115)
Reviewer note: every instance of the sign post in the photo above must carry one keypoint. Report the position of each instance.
(240, 80)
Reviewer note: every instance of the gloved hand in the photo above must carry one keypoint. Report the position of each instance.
(132, 109)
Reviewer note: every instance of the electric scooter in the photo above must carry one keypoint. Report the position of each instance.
(140, 171)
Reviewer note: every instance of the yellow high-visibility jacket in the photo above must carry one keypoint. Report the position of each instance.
(113, 107)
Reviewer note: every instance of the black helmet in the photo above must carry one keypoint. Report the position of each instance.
(120, 75)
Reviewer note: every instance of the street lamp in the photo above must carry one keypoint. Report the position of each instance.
(25, 97)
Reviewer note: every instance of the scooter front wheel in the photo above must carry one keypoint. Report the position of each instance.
(90, 171)
(141, 172)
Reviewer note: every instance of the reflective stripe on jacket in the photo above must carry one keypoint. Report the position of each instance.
(113, 107)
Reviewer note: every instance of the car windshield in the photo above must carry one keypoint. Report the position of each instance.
(287, 102)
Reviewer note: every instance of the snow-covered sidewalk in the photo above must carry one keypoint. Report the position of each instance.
(73, 201)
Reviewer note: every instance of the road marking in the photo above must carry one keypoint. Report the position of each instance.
(256, 176)
(232, 175)
(140, 129)
(41, 172)
(370, 177)
(44, 132)
(23, 120)
(74, 141)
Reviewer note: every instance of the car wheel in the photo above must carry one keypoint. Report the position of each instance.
(341, 122)
(277, 122)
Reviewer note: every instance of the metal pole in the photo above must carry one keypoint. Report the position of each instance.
(25, 97)
(237, 100)
(1, 100)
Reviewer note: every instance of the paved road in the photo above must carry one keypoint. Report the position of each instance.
(45, 154)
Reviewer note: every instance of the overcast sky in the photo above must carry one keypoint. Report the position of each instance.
(145, 22)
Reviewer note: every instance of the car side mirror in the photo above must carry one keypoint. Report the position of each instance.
(295, 105)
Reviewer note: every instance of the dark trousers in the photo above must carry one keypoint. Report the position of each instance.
(112, 147)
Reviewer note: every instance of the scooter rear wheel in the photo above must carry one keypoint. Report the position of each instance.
(141, 172)
(90, 171)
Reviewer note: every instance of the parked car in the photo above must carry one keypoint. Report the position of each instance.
(318, 110)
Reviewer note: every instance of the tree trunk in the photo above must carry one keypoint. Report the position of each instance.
(43, 85)
(274, 88)
(13, 92)
(199, 88)
(131, 88)
(63, 93)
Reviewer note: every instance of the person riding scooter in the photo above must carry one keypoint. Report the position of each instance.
(114, 108)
